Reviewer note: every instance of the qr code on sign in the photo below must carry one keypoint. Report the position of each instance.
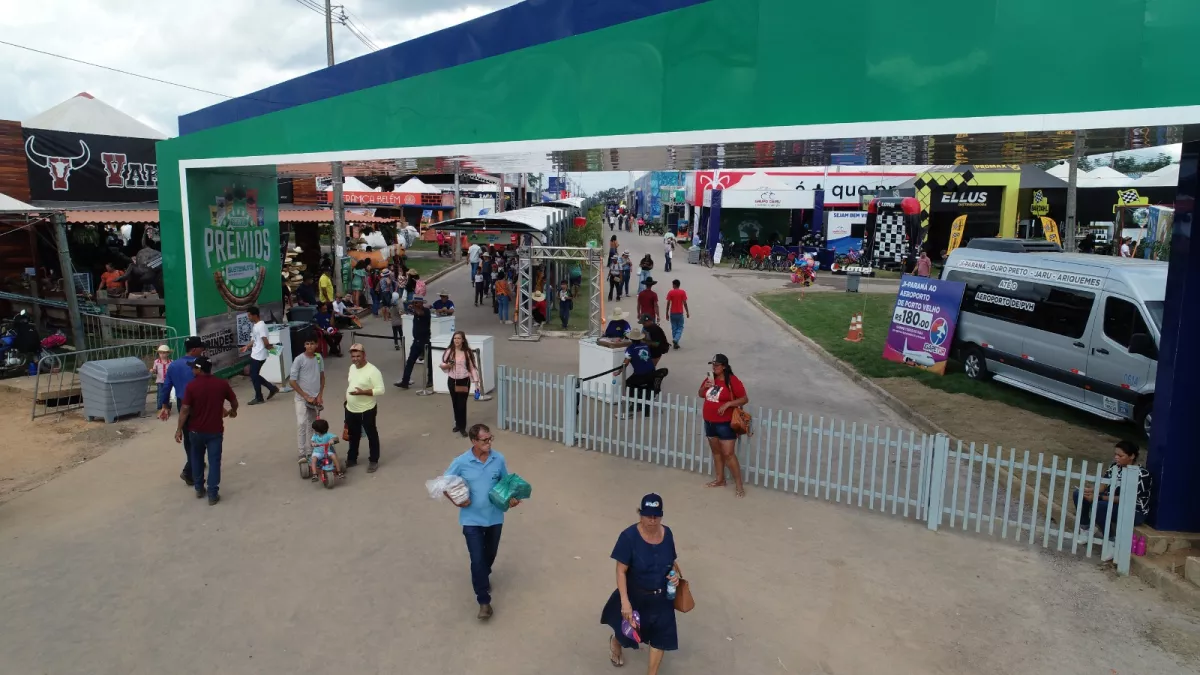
(243, 328)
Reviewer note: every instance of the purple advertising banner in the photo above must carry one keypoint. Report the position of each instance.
(923, 322)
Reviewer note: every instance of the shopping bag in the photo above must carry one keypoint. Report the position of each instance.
(511, 486)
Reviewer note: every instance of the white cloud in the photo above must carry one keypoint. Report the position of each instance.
(227, 46)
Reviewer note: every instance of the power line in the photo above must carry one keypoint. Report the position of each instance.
(312, 5)
(354, 29)
(144, 77)
(118, 70)
(371, 35)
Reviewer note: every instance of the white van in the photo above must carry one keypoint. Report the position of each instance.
(1079, 329)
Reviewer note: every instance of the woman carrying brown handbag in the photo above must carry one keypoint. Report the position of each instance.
(646, 568)
(458, 362)
(723, 392)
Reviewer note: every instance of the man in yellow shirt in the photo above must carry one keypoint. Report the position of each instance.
(325, 287)
(365, 383)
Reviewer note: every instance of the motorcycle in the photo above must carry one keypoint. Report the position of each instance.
(19, 345)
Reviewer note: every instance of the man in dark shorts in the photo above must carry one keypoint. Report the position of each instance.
(203, 414)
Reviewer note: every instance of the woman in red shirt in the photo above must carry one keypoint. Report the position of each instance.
(722, 391)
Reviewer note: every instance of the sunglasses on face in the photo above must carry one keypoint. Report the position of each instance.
(481, 439)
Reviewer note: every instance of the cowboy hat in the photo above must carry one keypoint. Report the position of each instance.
(636, 334)
(538, 296)
(617, 314)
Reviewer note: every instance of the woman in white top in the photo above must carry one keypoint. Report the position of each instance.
(458, 362)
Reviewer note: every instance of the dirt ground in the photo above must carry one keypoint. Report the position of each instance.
(972, 419)
(49, 445)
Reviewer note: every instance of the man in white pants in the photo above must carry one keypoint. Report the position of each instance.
(308, 381)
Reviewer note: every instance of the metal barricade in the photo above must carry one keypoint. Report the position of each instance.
(56, 387)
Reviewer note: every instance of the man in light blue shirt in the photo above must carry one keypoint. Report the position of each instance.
(481, 468)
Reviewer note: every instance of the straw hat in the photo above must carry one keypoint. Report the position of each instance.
(636, 334)
(163, 348)
(617, 315)
(538, 296)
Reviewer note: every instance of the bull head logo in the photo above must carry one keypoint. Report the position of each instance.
(60, 168)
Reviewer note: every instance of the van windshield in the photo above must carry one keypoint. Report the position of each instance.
(1156, 311)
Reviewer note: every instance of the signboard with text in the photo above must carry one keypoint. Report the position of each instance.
(67, 166)
(923, 322)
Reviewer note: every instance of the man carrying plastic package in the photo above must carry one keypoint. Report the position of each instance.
(481, 468)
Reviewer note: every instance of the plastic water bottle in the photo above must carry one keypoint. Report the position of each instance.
(477, 393)
(670, 587)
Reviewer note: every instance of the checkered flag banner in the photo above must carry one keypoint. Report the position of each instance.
(1128, 196)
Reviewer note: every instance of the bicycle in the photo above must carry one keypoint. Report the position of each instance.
(706, 258)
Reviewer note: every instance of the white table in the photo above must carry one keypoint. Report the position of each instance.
(595, 358)
(483, 347)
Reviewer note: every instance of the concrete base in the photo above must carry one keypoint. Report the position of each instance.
(1163, 573)
(1160, 543)
(1191, 570)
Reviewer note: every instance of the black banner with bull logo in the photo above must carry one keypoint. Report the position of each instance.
(66, 166)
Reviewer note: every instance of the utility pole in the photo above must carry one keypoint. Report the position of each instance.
(339, 208)
(456, 247)
(1070, 227)
(68, 277)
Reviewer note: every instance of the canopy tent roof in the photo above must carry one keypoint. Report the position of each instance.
(8, 204)
(1168, 176)
(569, 202)
(1062, 171)
(1104, 177)
(535, 219)
(762, 181)
(1033, 178)
(85, 114)
(416, 185)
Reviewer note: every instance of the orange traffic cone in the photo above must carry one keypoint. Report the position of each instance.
(855, 334)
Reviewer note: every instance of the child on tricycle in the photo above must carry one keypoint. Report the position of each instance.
(322, 462)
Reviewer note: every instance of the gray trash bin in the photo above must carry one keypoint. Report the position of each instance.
(852, 279)
(114, 388)
(694, 255)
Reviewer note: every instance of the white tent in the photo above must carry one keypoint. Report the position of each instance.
(1063, 170)
(418, 186)
(9, 204)
(1168, 176)
(1105, 177)
(84, 114)
(764, 191)
(352, 184)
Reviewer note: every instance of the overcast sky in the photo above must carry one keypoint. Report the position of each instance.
(231, 47)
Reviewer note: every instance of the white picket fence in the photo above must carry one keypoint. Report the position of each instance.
(979, 488)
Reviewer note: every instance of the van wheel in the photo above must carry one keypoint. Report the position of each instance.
(975, 366)
(1142, 415)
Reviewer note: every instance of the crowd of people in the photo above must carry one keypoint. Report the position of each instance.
(639, 612)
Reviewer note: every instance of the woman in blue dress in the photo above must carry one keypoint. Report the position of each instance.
(645, 555)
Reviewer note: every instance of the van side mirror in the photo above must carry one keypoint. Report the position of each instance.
(1143, 345)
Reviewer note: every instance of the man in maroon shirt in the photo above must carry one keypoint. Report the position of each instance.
(203, 414)
(647, 300)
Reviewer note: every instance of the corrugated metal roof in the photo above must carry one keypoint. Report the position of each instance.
(106, 216)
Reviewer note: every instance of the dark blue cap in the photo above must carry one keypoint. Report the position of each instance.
(651, 506)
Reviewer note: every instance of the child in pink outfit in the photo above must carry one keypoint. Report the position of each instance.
(160, 367)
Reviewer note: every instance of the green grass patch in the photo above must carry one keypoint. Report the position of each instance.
(422, 245)
(428, 266)
(825, 318)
